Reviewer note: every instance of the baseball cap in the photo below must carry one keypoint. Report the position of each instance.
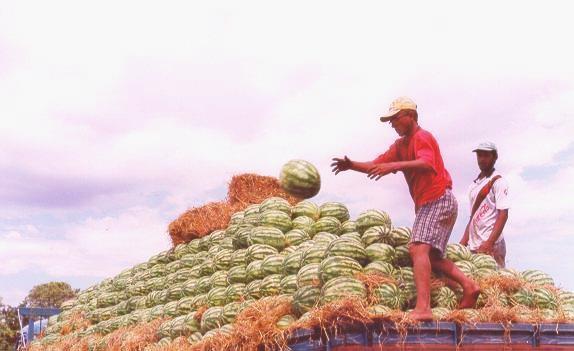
(485, 146)
(400, 103)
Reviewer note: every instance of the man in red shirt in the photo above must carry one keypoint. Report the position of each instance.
(418, 156)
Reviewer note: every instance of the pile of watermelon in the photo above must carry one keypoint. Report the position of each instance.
(313, 254)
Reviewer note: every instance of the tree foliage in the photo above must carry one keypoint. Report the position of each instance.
(49, 295)
(8, 326)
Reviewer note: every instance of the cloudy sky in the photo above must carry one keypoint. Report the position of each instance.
(118, 116)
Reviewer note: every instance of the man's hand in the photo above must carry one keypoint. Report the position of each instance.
(341, 164)
(486, 248)
(382, 169)
(463, 242)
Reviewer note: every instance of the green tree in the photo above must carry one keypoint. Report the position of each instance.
(49, 295)
(8, 326)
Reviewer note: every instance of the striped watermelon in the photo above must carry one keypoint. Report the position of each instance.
(566, 298)
(270, 285)
(337, 266)
(406, 281)
(237, 274)
(241, 237)
(254, 270)
(227, 244)
(252, 289)
(388, 294)
(403, 256)
(334, 209)
(211, 319)
(353, 236)
(251, 210)
(230, 312)
(306, 298)
(523, 297)
(288, 250)
(372, 218)
(324, 238)
(467, 267)
(213, 250)
(509, 272)
(288, 284)
(471, 314)
(273, 264)
(252, 219)
(379, 267)
(292, 263)
(268, 236)
(536, 277)
(544, 298)
(304, 223)
(481, 273)
(275, 203)
(377, 234)
(379, 311)
(547, 315)
(234, 292)
(216, 296)
(259, 252)
(327, 224)
(239, 258)
(342, 287)
(348, 227)
(219, 278)
(444, 297)
(347, 248)
(223, 259)
(492, 296)
(170, 309)
(216, 237)
(380, 252)
(285, 322)
(198, 301)
(440, 313)
(313, 254)
(300, 178)
(400, 236)
(458, 252)
(296, 236)
(306, 208)
(236, 218)
(309, 275)
(484, 261)
(276, 219)
(207, 267)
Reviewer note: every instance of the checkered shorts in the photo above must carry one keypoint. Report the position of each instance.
(434, 222)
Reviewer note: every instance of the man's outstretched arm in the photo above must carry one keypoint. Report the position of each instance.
(345, 163)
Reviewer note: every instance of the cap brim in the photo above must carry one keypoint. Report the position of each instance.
(389, 116)
(475, 150)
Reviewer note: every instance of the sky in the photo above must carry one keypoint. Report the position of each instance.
(116, 117)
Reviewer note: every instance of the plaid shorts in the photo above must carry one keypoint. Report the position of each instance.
(434, 222)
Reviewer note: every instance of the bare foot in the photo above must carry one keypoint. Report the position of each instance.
(469, 296)
(424, 315)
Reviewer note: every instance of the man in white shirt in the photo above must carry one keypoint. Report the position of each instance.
(483, 232)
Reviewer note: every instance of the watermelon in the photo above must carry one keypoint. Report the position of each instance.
(403, 256)
(277, 204)
(185, 305)
(467, 267)
(342, 287)
(285, 322)
(216, 296)
(313, 254)
(288, 284)
(492, 296)
(238, 258)
(327, 224)
(254, 271)
(347, 248)
(379, 267)
(348, 226)
(296, 236)
(483, 261)
(458, 252)
(211, 319)
(379, 311)
(219, 279)
(306, 298)
(292, 263)
(268, 236)
(241, 236)
(536, 277)
(337, 266)
(259, 252)
(353, 236)
(236, 218)
(306, 208)
(324, 238)
(389, 294)
(444, 297)
(372, 218)
(270, 285)
(377, 234)
(234, 292)
(544, 298)
(300, 178)
(276, 219)
(237, 274)
(334, 209)
(251, 210)
(230, 312)
(440, 313)
(272, 264)
(309, 275)
(380, 252)
(304, 223)
(252, 289)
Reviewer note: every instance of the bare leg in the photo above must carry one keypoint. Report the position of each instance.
(421, 270)
(470, 289)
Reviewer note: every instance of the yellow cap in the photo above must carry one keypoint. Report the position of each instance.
(400, 103)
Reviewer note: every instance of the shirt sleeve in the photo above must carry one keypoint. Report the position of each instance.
(501, 197)
(425, 151)
(390, 155)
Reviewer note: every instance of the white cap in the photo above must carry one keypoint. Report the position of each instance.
(400, 103)
(485, 146)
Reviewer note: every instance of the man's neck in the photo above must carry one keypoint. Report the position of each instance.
(415, 128)
(486, 174)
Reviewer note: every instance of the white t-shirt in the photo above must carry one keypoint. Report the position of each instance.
(483, 220)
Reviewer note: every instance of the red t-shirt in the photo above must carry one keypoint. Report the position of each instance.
(424, 186)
